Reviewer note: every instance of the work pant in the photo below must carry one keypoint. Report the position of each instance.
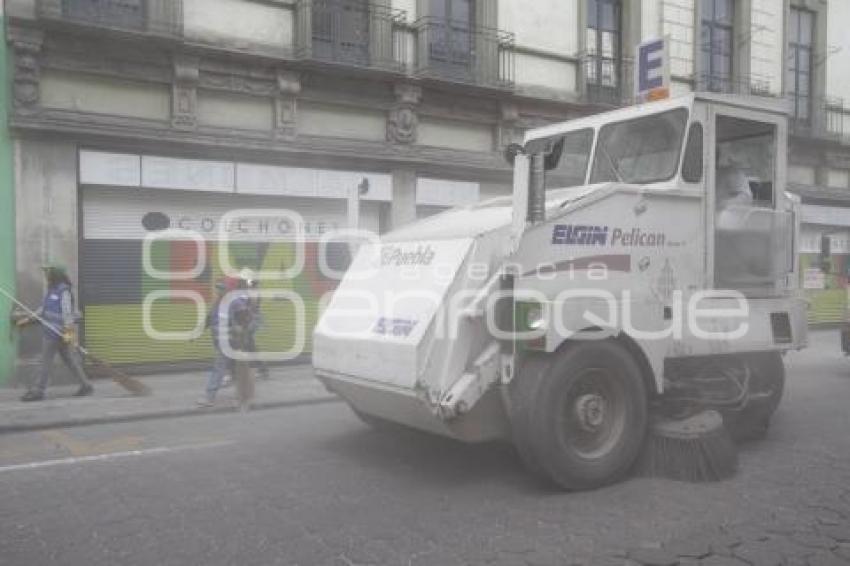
(49, 348)
(221, 365)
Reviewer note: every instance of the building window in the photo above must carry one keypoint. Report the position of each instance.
(717, 44)
(603, 47)
(125, 14)
(341, 31)
(450, 45)
(799, 68)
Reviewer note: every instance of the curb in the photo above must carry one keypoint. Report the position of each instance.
(170, 413)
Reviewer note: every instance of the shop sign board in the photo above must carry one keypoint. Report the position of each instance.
(814, 278)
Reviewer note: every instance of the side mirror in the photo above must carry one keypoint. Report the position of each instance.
(825, 253)
(363, 187)
(512, 151)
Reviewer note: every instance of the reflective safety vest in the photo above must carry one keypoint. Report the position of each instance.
(51, 310)
(221, 321)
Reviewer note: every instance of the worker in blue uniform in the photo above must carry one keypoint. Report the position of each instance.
(60, 336)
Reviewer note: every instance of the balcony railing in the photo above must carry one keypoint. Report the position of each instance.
(747, 86)
(351, 32)
(822, 118)
(159, 17)
(608, 81)
(458, 52)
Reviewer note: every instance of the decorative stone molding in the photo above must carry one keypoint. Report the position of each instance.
(184, 98)
(235, 83)
(403, 121)
(27, 53)
(286, 104)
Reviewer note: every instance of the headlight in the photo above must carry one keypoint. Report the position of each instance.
(534, 319)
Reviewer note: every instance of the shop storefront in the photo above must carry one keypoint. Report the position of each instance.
(197, 215)
(827, 291)
(127, 198)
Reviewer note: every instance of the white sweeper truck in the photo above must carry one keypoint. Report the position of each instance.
(642, 275)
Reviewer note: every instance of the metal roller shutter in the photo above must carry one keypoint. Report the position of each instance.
(827, 305)
(114, 282)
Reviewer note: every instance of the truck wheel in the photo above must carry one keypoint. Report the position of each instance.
(589, 415)
(522, 391)
(767, 383)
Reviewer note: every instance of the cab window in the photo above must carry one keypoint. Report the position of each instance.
(566, 163)
(642, 150)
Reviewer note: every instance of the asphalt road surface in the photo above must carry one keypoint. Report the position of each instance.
(312, 485)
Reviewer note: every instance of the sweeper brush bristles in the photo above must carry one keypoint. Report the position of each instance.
(696, 449)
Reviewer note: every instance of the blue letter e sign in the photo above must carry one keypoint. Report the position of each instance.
(650, 65)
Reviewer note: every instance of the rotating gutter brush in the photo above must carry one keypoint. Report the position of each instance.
(696, 449)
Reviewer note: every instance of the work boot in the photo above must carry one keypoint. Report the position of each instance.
(30, 396)
(84, 390)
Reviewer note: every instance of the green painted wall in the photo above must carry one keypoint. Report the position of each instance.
(7, 214)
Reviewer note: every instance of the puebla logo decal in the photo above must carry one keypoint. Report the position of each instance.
(397, 256)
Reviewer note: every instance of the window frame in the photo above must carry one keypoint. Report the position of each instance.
(450, 28)
(336, 42)
(709, 27)
(795, 49)
(555, 140)
(594, 10)
(678, 152)
(111, 16)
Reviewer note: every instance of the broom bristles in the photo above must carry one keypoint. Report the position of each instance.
(698, 449)
(134, 386)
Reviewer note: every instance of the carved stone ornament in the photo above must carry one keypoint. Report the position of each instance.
(184, 103)
(286, 104)
(402, 125)
(26, 49)
(403, 121)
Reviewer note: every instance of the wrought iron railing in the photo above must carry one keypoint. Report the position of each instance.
(608, 81)
(458, 52)
(724, 84)
(160, 17)
(821, 118)
(351, 32)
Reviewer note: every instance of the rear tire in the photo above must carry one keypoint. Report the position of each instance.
(582, 419)
(522, 392)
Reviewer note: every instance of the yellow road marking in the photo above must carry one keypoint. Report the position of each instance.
(78, 447)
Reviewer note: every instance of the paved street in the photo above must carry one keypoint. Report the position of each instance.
(312, 485)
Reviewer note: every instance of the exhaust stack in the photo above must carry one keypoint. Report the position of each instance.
(537, 190)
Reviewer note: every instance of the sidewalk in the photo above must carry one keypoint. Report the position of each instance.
(173, 395)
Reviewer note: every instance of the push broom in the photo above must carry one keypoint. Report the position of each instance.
(134, 386)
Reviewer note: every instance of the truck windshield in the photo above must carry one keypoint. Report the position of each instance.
(643, 150)
(566, 164)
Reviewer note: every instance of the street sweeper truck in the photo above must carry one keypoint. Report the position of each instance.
(643, 271)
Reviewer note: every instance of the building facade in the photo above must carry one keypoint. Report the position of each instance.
(132, 116)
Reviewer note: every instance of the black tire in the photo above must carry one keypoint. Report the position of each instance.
(585, 418)
(521, 394)
(767, 384)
